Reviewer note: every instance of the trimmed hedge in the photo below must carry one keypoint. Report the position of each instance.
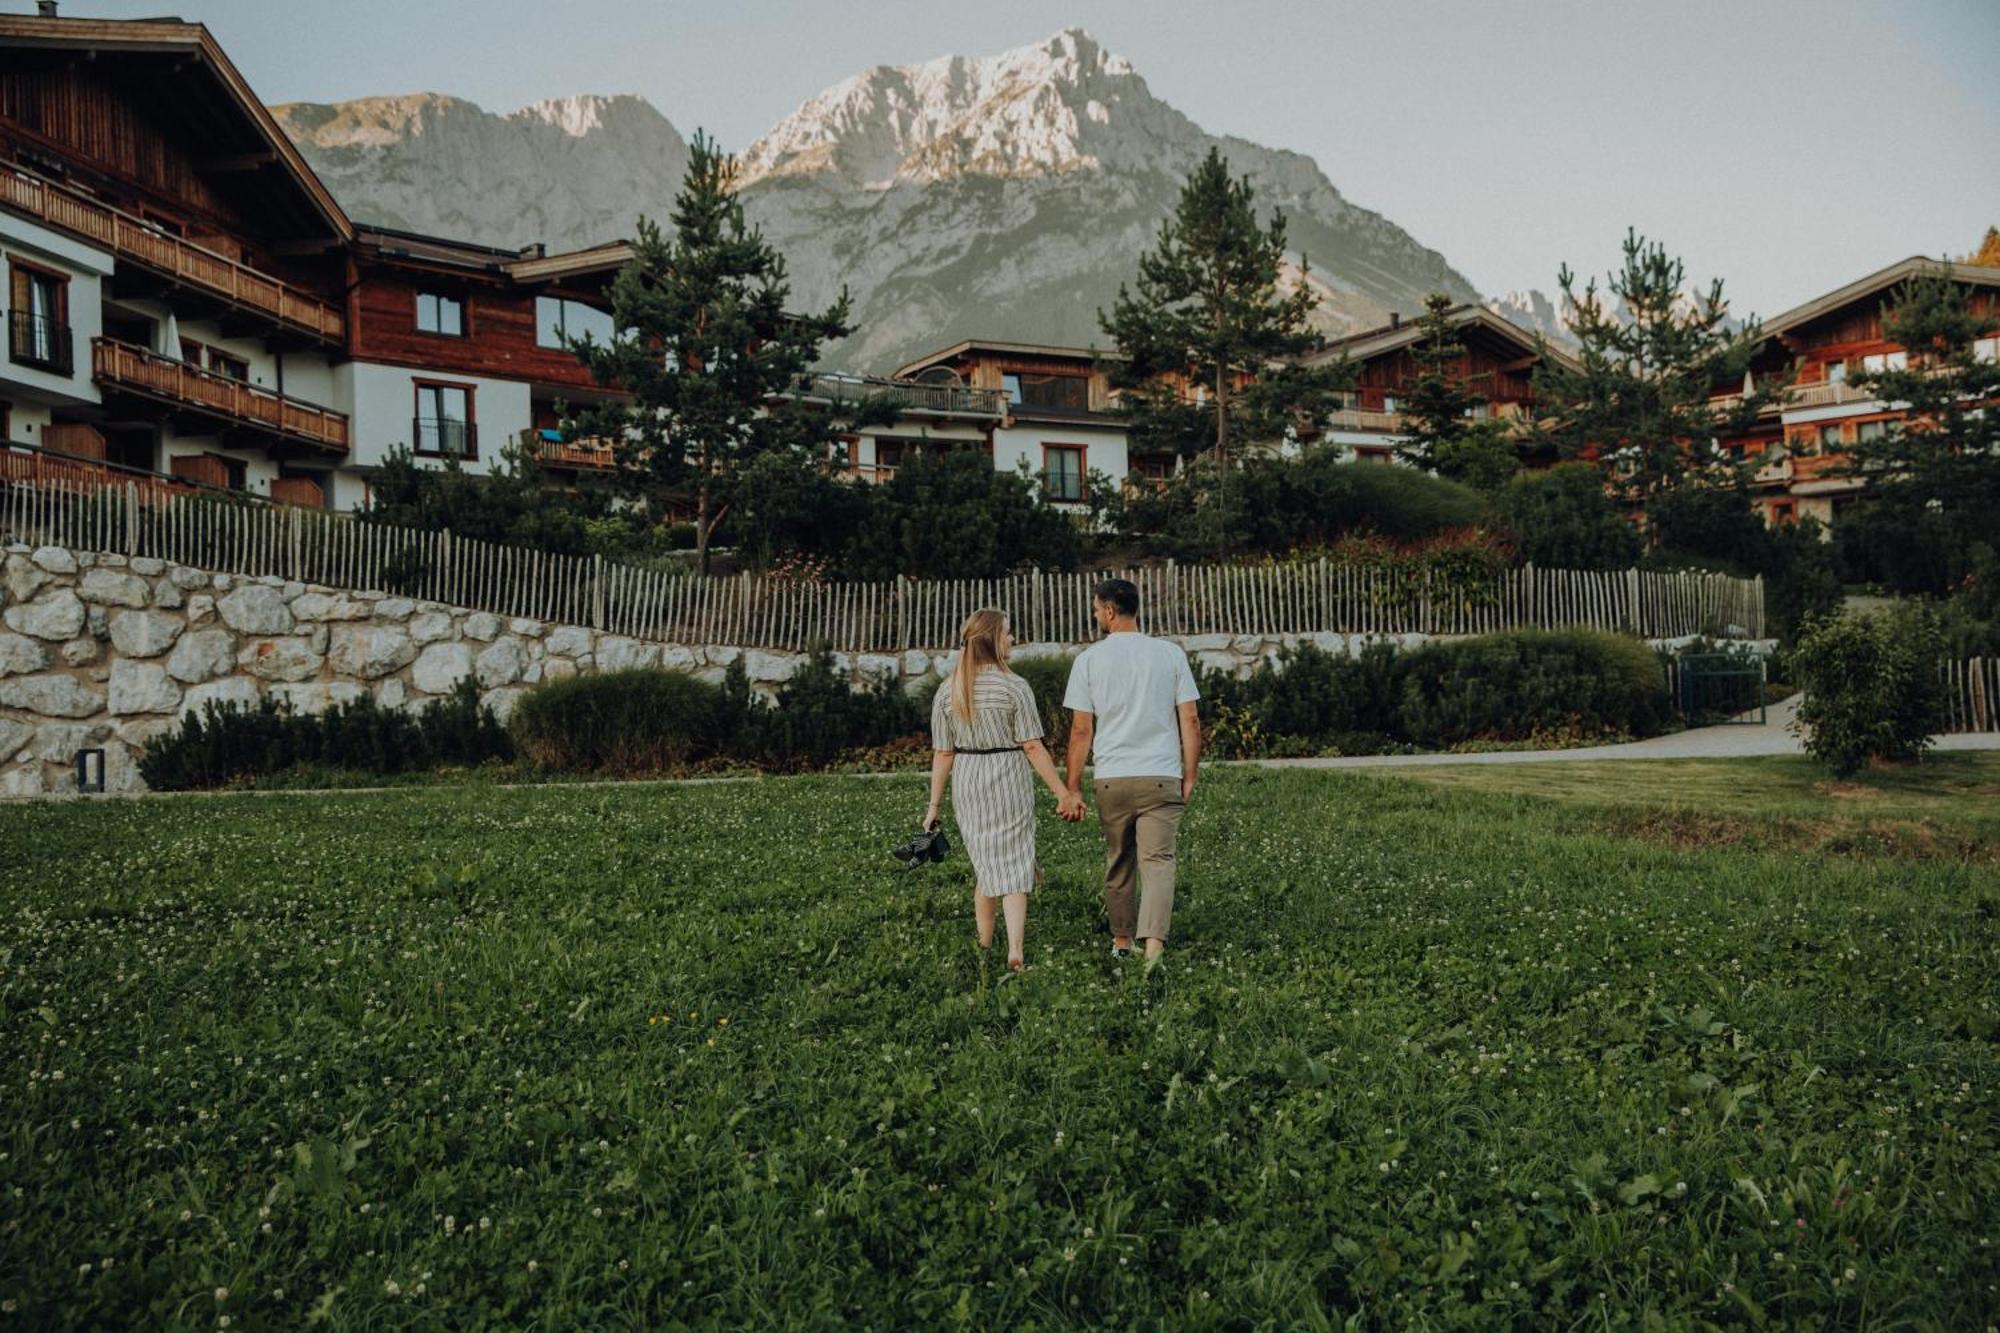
(648, 719)
(228, 743)
(1516, 686)
(631, 721)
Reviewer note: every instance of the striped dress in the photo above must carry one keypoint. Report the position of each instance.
(993, 795)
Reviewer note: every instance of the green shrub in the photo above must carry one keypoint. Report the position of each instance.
(1563, 519)
(1871, 687)
(634, 721)
(1049, 678)
(1511, 686)
(817, 716)
(1309, 695)
(228, 743)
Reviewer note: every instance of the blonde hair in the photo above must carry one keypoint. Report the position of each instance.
(978, 646)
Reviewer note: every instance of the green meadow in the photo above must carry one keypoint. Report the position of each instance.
(1516, 1048)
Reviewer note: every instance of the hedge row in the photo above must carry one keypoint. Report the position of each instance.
(1522, 685)
(1557, 685)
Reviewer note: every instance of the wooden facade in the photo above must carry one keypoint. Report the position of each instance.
(500, 335)
(1799, 447)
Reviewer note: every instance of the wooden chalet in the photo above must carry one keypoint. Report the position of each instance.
(1799, 444)
(1051, 410)
(1498, 366)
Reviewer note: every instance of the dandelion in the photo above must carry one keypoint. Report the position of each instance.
(222, 1293)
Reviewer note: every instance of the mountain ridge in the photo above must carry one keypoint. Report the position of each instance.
(1003, 196)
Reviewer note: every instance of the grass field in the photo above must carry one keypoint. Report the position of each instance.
(657, 1056)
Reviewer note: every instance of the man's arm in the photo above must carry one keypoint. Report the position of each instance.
(1190, 720)
(1082, 727)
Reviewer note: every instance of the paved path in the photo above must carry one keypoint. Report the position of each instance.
(1736, 741)
(1730, 742)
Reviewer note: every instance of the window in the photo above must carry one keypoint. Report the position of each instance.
(1829, 438)
(1388, 402)
(440, 314)
(1062, 471)
(200, 355)
(1881, 361)
(1986, 349)
(1047, 392)
(556, 318)
(1836, 372)
(443, 427)
(38, 323)
(888, 453)
(1871, 430)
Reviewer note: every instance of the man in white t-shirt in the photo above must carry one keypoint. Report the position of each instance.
(1132, 700)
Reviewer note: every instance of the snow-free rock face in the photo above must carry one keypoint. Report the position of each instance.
(1004, 197)
(571, 172)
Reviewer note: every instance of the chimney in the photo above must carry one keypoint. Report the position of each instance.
(45, 8)
(1395, 319)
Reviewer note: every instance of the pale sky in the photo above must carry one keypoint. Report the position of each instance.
(1787, 146)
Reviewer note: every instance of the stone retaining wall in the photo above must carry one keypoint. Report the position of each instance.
(101, 651)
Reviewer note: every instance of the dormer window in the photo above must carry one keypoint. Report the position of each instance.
(440, 314)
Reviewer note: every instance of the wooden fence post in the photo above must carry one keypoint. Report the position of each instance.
(131, 518)
(597, 592)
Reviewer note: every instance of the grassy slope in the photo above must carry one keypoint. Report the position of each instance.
(1948, 806)
(1420, 1054)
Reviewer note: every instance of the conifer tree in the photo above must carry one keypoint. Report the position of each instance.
(1651, 352)
(1208, 318)
(709, 355)
(1443, 433)
(1939, 467)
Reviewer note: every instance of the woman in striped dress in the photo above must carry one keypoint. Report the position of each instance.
(987, 729)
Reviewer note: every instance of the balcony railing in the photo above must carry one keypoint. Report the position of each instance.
(184, 262)
(443, 437)
(40, 342)
(230, 401)
(591, 453)
(909, 395)
(1354, 418)
(1828, 395)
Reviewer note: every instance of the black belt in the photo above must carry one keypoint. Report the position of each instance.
(1012, 749)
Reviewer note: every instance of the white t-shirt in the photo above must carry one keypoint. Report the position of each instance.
(1132, 683)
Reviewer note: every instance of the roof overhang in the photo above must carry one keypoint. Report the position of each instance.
(198, 64)
(1371, 343)
(1879, 281)
(973, 345)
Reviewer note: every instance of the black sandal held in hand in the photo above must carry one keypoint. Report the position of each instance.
(929, 845)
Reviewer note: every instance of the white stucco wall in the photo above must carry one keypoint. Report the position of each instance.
(380, 402)
(1104, 449)
(86, 268)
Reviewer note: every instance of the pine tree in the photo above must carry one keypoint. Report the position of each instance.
(707, 352)
(1442, 433)
(1649, 356)
(1940, 466)
(1206, 312)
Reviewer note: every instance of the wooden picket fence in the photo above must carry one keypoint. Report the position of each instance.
(1972, 694)
(245, 536)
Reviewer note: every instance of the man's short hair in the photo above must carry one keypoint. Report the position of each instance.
(1121, 595)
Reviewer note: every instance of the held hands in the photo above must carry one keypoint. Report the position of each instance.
(1070, 807)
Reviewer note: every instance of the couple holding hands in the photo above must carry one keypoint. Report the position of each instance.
(1131, 699)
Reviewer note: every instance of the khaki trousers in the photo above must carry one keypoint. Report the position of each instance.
(1141, 818)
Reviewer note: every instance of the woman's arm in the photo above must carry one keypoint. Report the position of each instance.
(1044, 765)
(940, 770)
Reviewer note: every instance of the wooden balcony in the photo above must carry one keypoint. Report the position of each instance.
(1833, 394)
(909, 396)
(180, 262)
(301, 491)
(1360, 419)
(39, 467)
(229, 403)
(590, 453)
